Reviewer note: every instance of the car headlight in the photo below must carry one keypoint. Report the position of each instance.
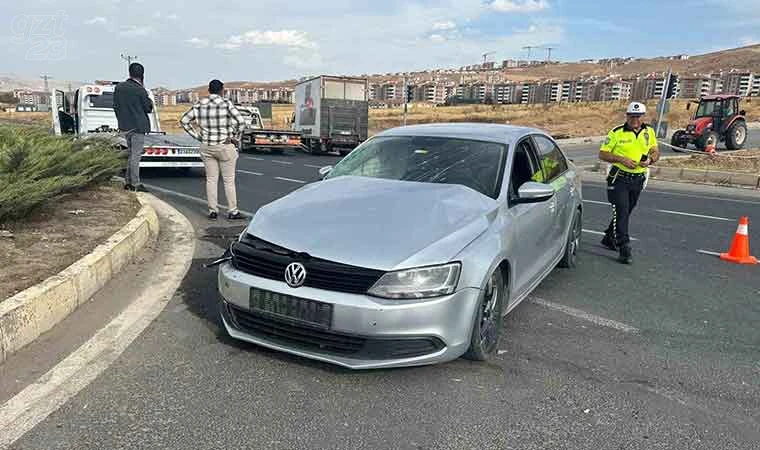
(424, 282)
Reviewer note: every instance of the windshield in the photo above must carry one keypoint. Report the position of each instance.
(250, 118)
(475, 164)
(104, 100)
(707, 108)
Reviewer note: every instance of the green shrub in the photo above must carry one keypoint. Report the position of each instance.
(36, 166)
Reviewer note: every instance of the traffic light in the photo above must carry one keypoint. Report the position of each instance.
(670, 86)
(409, 93)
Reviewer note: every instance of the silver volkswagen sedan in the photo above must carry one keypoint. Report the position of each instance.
(409, 251)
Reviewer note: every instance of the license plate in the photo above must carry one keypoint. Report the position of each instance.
(186, 151)
(294, 308)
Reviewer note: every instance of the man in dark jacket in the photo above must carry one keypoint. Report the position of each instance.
(132, 106)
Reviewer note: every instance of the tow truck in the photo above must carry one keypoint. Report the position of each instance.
(254, 136)
(89, 111)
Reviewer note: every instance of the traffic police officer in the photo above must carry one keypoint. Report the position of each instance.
(630, 148)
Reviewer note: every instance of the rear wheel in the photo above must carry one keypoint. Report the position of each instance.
(570, 258)
(736, 135)
(484, 340)
(678, 140)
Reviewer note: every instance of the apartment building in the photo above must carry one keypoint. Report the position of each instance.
(698, 86)
(610, 90)
(34, 98)
(738, 83)
(755, 92)
(507, 93)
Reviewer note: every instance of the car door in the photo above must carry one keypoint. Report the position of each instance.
(557, 174)
(533, 222)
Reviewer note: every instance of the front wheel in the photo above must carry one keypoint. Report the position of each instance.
(570, 258)
(678, 140)
(484, 340)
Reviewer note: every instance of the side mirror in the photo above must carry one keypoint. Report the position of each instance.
(532, 192)
(325, 170)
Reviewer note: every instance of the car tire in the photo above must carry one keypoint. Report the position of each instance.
(708, 137)
(570, 257)
(677, 141)
(484, 339)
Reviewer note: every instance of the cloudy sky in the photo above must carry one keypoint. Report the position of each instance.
(186, 42)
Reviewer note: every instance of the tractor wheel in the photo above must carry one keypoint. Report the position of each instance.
(678, 140)
(736, 135)
(707, 139)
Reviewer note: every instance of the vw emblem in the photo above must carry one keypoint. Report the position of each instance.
(295, 274)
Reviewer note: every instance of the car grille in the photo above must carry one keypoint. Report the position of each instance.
(266, 260)
(304, 337)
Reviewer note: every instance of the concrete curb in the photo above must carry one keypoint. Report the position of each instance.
(32, 312)
(694, 176)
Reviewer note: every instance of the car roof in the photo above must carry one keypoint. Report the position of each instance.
(503, 134)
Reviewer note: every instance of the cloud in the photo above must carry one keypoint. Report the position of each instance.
(282, 38)
(437, 38)
(444, 25)
(135, 31)
(519, 6)
(198, 42)
(306, 61)
(746, 41)
(170, 17)
(97, 21)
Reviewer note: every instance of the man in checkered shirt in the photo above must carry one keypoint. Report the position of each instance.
(218, 123)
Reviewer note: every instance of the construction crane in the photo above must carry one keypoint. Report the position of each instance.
(485, 56)
(46, 77)
(529, 48)
(549, 53)
(128, 58)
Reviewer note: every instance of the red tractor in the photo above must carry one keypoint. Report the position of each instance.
(717, 119)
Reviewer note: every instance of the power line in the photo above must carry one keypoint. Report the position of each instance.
(128, 58)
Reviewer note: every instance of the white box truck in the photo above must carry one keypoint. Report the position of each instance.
(331, 113)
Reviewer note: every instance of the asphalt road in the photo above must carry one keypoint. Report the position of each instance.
(661, 354)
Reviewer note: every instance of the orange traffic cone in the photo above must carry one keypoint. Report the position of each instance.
(739, 252)
(710, 149)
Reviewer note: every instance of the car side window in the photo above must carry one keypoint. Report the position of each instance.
(552, 160)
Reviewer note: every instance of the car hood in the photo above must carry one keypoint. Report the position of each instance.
(376, 223)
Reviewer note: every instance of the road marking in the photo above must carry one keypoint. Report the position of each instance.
(189, 197)
(282, 162)
(255, 158)
(249, 172)
(707, 252)
(313, 166)
(594, 202)
(679, 213)
(602, 185)
(578, 314)
(290, 179)
(600, 233)
(52, 390)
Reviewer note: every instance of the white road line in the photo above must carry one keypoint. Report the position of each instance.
(679, 213)
(52, 390)
(249, 172)
(594, 202)
(602, 185)
(313, 166)
(282, 162)
(578, 314)
(255, 158)
(600, 233)
(707, 252)
(189, 197)
(290, 179)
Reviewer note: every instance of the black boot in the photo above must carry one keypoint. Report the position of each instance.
(609, 242)
(626, 256)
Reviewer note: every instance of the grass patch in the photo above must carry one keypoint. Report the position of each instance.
(36, 166)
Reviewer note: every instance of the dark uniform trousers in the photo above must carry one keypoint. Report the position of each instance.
(623, 190)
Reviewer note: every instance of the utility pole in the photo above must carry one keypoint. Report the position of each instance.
(404, 94)
(46, 77)
(128, 58)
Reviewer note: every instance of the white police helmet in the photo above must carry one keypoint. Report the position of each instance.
(636, 109)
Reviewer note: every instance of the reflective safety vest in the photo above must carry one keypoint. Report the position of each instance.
(623, 141)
